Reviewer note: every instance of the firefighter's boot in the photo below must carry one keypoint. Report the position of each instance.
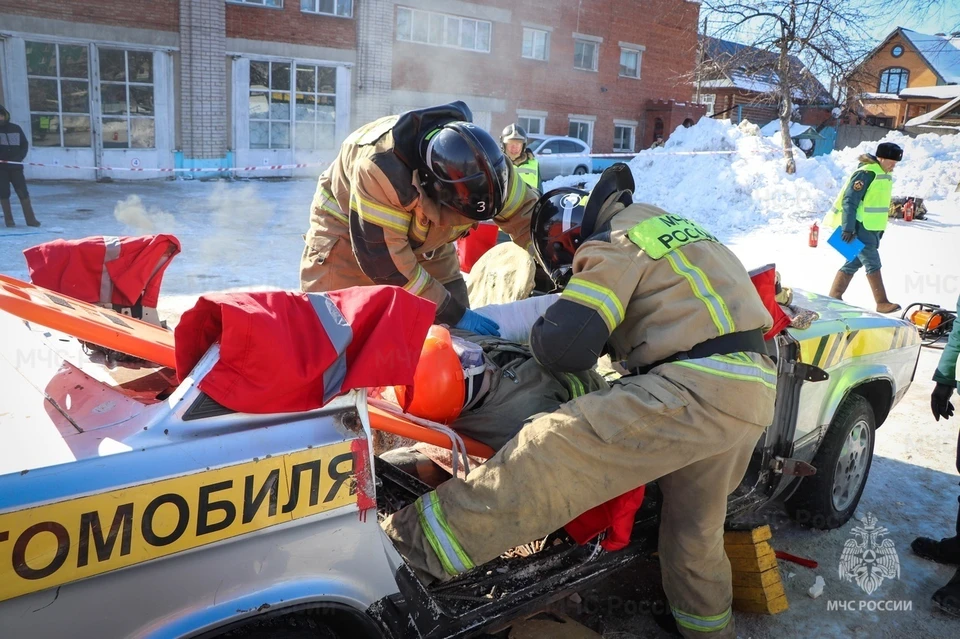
(948, 597)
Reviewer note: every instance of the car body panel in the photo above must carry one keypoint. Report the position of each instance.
(560, 162)
(224, 539)
(855, 347)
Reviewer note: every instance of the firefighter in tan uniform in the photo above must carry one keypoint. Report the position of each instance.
(678, 309)
(398, 194)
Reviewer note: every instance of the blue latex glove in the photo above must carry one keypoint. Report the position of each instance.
(477, 323)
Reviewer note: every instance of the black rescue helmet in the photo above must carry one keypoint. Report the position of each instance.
(564, 218)
(465, 170)
(556, 226)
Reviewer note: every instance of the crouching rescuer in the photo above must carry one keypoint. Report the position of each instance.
(679, 311)
(401, 190)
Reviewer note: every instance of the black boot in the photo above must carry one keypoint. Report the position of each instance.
(947, 598)
(7, 213)
(28, 212)
(945, 551)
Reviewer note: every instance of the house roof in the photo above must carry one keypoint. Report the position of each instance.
(927, 118)
(797, 130)
(943, 92)
(754, 69)
(942, 53)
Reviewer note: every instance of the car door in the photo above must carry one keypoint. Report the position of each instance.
(572, 151)
(550, 166)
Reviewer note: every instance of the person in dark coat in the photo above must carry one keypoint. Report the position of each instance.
(13, 148)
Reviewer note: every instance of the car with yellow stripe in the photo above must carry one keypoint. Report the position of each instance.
(871, 360)
(133, 505)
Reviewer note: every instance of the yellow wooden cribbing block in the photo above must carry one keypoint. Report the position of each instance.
(758, 550)
(753, 564)
(771, 607)
(747, 537)
(756, 579)
(757, 586)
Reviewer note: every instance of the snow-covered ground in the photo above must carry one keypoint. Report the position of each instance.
(247, 234)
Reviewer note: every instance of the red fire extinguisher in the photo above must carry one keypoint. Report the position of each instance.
(814, 235)
(908, 210)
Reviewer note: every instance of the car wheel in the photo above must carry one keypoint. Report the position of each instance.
(580, 170)
(828, 499)
(291, 627)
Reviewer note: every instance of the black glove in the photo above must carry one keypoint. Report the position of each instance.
(847, 236)
(940, 401)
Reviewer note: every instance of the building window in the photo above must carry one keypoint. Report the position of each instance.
(59, 93)
(269, 105)
(278, 4)
(126, 96)
(585, 55)
(311, 124)
(582, 129)
(535, 44)
(623, 136)
(342, 8)
(630, 63)
(710, 101)
(442, 30)
(315, 111)
(894, 80)
(532, 124)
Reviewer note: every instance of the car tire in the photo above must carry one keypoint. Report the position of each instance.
(291, 627)
(580, 170)
(828, 499)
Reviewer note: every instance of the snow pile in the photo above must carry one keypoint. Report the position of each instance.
(732, 180)
(739, 189)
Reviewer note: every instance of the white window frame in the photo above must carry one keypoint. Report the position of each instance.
(266, 4)
(710, 101)
(631, 125)
(291, 122)
(639, 55)
(60, 114)
(337, 4)
(128, 84)
(596, 54)
(541, 120)
(546, 43)
(589, 121)
(445, 40)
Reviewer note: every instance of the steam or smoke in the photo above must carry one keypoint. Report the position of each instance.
(240, 216)
(134, 214)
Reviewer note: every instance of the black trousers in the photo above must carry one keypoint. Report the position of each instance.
(14, 177)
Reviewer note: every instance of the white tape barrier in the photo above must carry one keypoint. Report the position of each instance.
(265, 167)
(280, 167)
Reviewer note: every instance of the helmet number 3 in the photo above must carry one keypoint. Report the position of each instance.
(481, 206)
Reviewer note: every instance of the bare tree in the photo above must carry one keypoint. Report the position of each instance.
(826, 35)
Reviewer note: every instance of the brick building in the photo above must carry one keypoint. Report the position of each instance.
(221, 83)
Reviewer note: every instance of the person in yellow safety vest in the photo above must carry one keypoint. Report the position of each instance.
(513, 141)
(678, 310)
(861, 210)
